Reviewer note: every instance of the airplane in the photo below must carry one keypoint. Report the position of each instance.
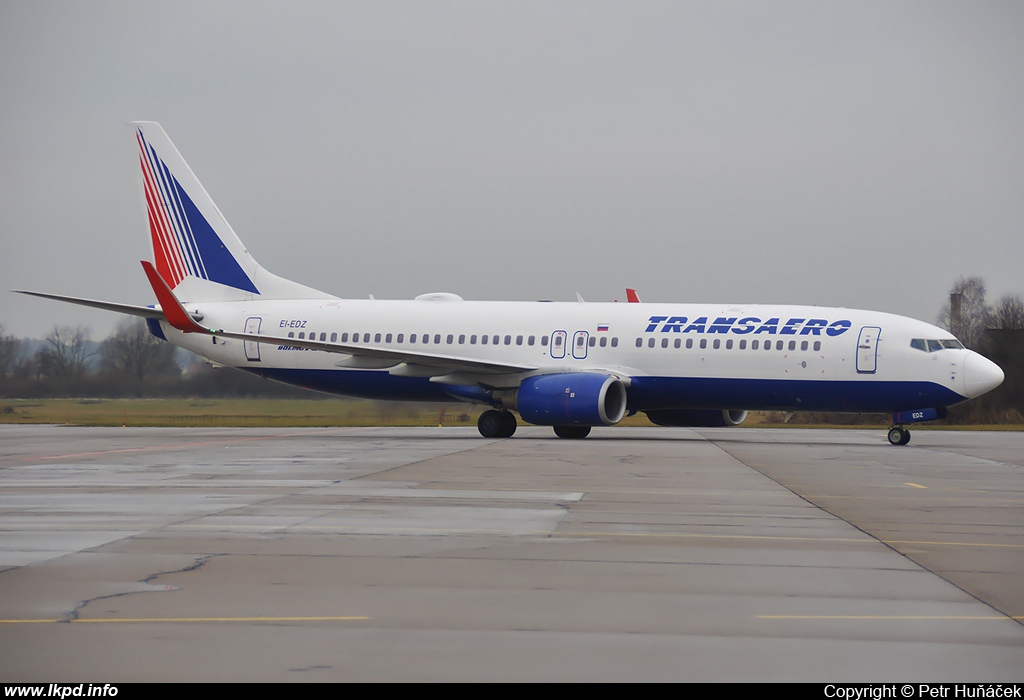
(568, 365)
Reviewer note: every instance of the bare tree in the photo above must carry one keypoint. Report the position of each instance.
(134, 352)
(974, 312)
(9, 350)
(1008, 313)
(65, 354)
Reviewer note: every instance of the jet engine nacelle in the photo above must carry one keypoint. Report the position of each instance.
(570, 398)
(694, 418)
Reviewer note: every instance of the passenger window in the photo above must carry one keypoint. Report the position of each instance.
(743, 345)
(650, 342)
(615, 342)
(792, 345)
(334, 337)
(412, 338)
(803, 345)
(437, 338)
(531, 340)
(426, 338)
(639, 342)
(728, 344)
(593, 341)
(508, 340)
(323, 337)
(664, 342)
(544, 341)
(302, 335)
(519, 340)
(689, 343)
(678, 343)
(291, 334)
(462, 340)
(483, 339)
(754, 345)
(779, 344)
(703, 343)
(451, 338)
(817, 345)
(344, 337)
(604, 342)
(717, 344)
(472, 340)
(366, 337)
(401, 338)
(376, 338)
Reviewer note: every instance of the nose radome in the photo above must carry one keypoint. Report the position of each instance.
(981, 375)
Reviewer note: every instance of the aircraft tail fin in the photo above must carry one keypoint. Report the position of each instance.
(195, 250)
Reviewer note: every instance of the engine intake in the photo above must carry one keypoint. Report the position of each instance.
(570, 398)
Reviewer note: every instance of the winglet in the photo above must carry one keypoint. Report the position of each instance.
(631, 296)
(174, 312)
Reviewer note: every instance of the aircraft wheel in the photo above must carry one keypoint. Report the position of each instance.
(572, 432)
(898, 435)
(489, 424)
(508, 424)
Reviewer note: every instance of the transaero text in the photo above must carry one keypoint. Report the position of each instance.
(748, 324)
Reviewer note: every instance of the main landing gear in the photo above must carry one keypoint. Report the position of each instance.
(898, 435)
(496, 424)
(572, 432)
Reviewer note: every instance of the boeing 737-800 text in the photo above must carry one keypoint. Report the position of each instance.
(568, 365)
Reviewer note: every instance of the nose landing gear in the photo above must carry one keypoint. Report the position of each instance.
(898, 435)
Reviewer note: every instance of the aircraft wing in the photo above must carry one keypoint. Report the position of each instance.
(130, 309)
(176, 315)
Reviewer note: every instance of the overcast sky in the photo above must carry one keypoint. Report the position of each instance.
(860, 154)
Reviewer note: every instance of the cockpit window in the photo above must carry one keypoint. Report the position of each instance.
(929, 345)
